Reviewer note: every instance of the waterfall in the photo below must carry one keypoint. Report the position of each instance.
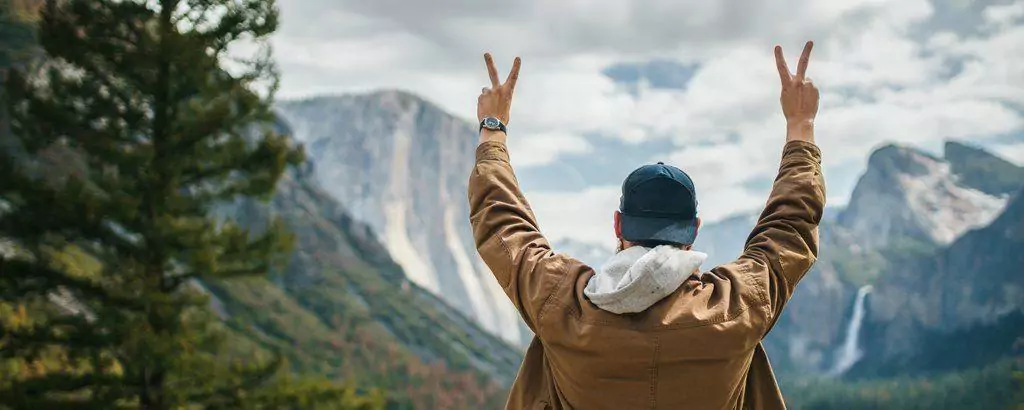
(849, 352)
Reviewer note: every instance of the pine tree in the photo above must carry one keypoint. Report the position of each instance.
(138, 125)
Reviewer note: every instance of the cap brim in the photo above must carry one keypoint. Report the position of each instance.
(638, 228)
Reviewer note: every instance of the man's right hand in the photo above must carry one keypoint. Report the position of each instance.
(799, 97)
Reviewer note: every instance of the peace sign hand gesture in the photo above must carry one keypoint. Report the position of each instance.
(799, 95)
(497, 100)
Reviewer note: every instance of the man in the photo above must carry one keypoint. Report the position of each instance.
(649, 330)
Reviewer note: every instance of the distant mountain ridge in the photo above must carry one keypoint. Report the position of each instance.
(591, 254)
(980, 170)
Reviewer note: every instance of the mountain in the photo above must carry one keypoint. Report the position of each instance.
(980, 170)
(909, 194)
(401, 165)
(723, 240)
(977, 278)
(907, 206)
(591, 254)
(344, 308)
(970, 293)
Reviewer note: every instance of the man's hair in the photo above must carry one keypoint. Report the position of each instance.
(651, 243)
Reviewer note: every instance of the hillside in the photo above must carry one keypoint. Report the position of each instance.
(345, 309)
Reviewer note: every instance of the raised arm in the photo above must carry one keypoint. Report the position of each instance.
(504, 227)
(784, 243)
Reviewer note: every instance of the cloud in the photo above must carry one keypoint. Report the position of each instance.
(585, 215)
(1003, 15)
(1013, 151)
(657, 73)
(542, 148)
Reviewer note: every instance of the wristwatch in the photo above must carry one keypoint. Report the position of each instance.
(493, 124)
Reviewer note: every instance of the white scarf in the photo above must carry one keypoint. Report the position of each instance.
(637, 277)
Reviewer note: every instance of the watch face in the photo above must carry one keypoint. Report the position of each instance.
(491, 122)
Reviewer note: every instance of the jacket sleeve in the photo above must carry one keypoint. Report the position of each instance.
(507, 237)
(784, 243)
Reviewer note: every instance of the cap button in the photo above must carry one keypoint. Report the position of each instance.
(661, 163)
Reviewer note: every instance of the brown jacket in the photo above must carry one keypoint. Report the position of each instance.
(698, 348)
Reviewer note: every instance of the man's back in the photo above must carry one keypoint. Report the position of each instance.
(692, 348)
(650, 330)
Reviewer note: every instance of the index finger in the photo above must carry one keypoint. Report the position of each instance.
(780, 62)
(801, 68)
(491, 71)
(513, 75)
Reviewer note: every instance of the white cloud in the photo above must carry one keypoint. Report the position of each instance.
(1014, 152)
(542, 148)
(1004, 15)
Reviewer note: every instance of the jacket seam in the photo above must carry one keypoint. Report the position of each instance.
(762, 292)
(800, 158)
(491, 150)
(548, 299)
(492, 156)
(811, 147)
(654, 371)
(511, 261)
(782, 272)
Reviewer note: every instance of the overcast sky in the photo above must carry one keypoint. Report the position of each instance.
(609, 85)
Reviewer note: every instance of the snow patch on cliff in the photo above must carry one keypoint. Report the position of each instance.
(483, 310)
(943, 208)
(396, 239)
(396, 232)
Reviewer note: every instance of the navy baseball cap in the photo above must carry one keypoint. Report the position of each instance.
(659, 203)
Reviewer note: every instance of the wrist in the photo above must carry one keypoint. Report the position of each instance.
(802, 130)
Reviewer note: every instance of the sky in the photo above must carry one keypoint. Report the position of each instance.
(608, 85)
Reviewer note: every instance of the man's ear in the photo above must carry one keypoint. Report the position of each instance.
(618, 224)
(698, 224)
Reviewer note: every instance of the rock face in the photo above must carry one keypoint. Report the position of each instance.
(977, 277)
(980, 170)
(401, 165)
(974, 283)
(906, 193)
